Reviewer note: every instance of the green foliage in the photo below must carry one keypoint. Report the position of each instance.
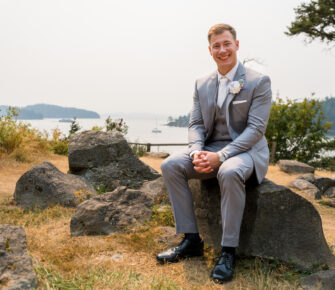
(59, 144)
(101, 189)
(315, 19)
(118, 125)
(74, 127)
(298, 128)
(162, 215)
(324, 163)
(138, 150)
(11, 136)
(97, 128)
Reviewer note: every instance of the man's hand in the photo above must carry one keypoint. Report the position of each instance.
(205, 161)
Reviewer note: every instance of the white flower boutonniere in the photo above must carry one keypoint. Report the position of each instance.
(236, 86)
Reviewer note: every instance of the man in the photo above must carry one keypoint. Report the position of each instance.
(228, 120)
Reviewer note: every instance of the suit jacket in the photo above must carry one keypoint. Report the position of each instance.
(247, 114)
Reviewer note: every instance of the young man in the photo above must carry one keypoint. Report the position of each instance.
(228, 120)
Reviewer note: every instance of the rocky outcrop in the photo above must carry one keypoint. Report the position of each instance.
(293, 166)
(44, 185)
(307, 176)
(157, 154)
(306, 187)
(116, 211)
(323, 280)
(321, 187)
(16, 271)
(324, 183)
(277, 223)
(106, 160)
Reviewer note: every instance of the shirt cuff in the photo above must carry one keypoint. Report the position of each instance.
(194, 151)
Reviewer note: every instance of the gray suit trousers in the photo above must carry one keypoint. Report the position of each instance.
(232, 174)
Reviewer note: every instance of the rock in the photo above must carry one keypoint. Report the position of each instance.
(330, 192)
(169, 237)
(277, 223)
(306, 188)
(16, 271)
(44, 185)
(307, 176)
(324, 183)
(113, 211)
(157, 154)
(105, 159)
(324, 280)
(156, 190)
(293, 166)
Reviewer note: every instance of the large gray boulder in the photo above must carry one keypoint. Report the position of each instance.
(44, 185)
(277, 223)
(323, 280)
(16, 271)
(293, 166)
(106, 160)
(116, 211)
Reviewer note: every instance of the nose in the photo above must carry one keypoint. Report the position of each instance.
(222, 49)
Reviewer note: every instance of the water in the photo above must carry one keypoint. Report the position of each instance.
(139, 130)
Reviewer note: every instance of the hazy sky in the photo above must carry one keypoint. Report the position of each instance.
(144, 55)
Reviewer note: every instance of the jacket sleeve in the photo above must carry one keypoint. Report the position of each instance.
(258, 117)
(196, 127)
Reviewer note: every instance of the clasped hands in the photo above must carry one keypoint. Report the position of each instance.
(205, 161)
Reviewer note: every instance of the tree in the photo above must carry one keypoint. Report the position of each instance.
(74, 127)
(298, 128)
(315, 19)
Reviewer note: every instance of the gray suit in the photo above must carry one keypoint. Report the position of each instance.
(245, 116)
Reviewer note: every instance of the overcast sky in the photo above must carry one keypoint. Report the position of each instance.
(144, 56)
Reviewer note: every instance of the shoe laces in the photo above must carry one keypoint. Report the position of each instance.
(227, 260)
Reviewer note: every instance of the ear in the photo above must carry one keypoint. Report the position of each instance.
(210, 50)
(237, 43)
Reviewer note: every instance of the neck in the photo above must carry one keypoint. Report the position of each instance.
(225, 70)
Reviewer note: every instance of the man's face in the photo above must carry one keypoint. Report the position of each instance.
(223, 49)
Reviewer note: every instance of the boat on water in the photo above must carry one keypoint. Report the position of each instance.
(156, 130)
(65, 120)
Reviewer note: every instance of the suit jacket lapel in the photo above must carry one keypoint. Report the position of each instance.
(212, 91)
(240, 74)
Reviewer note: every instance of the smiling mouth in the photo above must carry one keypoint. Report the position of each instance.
(223, 57)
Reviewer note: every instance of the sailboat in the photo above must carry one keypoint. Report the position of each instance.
(156, 130)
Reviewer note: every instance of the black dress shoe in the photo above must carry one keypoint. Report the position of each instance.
(224, 269)
(185, 249)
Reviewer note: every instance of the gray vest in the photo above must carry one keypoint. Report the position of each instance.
(220, 135)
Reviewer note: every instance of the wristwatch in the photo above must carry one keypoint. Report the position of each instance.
(221, 156)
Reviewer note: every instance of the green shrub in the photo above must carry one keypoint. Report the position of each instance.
(11, 131)
(138, 150)
(298, 128)
(59, 144)
(118, 125)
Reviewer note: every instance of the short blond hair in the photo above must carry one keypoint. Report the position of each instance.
(220, 28)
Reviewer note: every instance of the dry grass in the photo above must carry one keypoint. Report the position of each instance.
(88, 262)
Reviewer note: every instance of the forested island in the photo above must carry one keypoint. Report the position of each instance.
(41, 111)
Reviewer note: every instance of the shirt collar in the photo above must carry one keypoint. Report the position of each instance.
(229, 75)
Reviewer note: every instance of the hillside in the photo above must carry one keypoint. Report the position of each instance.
(40, 111)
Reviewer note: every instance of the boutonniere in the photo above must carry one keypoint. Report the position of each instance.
(236, 86)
